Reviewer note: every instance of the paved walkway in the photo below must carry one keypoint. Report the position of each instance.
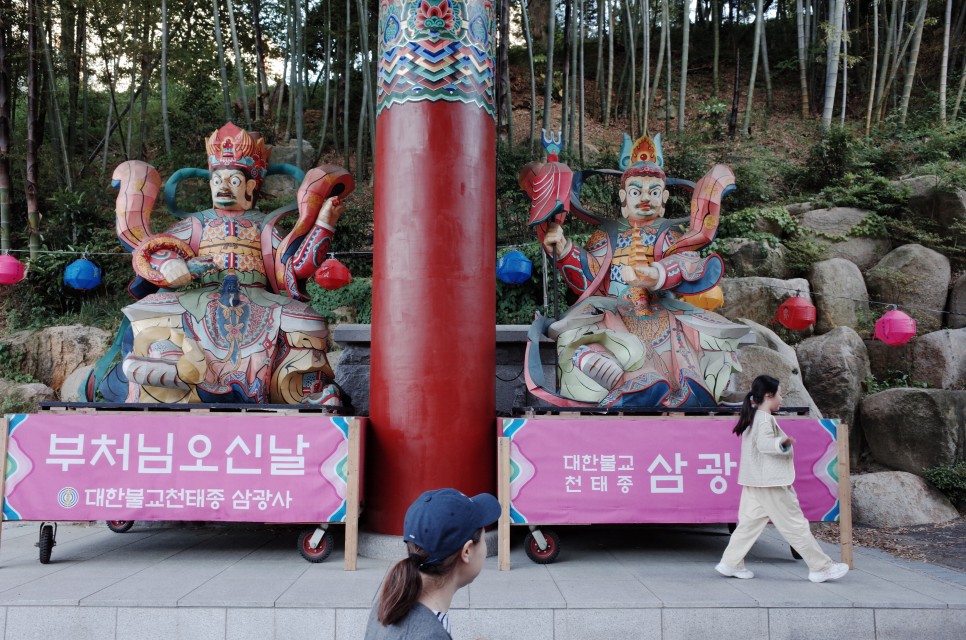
(240, 581)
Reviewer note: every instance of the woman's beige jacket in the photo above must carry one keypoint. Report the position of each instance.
(764, 461)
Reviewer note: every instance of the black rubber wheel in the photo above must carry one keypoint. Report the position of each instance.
(795, 554)
(545, 556)
(120, 526)
(46, 543)
(320, 553)
(732, 526)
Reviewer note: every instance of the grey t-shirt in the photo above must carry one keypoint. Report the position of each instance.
(419, 624)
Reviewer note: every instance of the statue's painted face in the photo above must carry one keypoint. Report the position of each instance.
(230, 190)
(643, 198)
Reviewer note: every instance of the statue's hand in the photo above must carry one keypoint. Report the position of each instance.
(642, 276)
(176, 272)
(331, 211)
(554, 241)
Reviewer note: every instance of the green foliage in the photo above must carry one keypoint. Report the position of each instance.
(829, 159)
(516, 303)
(746, 224)
(950, 479)
(16, 403)
(11, 363)
(893, 380)
(801, 253)
(351, 303)
(865, 190)
(757, 181)
(713, 119)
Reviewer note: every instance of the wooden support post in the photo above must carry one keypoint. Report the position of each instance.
(845, 494)
(503, 493)
(4, 432)
(352, 496)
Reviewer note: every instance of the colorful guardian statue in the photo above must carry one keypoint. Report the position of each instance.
(227, 322)
(632, 339)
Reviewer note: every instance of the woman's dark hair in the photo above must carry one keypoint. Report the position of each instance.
(403, 585)
(762, 386)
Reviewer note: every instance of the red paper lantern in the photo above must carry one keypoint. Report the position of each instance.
(796, 313)
(11, 270)
(332, 275)
(895, 328)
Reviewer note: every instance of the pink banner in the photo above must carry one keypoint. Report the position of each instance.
(177, 466)
(652, 469)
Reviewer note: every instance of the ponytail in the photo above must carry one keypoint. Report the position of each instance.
(763, 385)
(404, 584)
(402, 588)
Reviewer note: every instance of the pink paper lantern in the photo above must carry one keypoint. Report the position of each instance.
(895, 328)
(11, 270)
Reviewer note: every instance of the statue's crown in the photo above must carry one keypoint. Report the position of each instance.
(233, 148)
(645, 149)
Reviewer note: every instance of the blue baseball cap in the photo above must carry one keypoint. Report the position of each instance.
(443, 520)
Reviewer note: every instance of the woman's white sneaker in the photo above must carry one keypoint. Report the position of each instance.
(833, 571)
(731, 572)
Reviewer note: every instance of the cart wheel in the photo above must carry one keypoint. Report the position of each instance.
(545, 556)
(319, 553)
(732, 526)
(795, 554)
(46, 543)
(120, 526)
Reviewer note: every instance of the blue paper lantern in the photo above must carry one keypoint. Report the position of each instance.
(514, 268)
(82, 274)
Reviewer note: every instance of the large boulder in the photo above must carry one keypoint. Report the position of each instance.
(834, 368)
(26, 392)
(757, 298)
(52, 354)
(898, 499)
(770, 355)
(916, 277)
(936, 360)
(957, 304)
(70, 390)
(745, 257)
(915, 429)
(927, 199)
(831, 229)
(841, 299)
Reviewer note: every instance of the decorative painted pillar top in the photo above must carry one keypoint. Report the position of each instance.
(436, 50)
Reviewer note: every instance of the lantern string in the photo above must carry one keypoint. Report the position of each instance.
(868, 300)
(336, 254)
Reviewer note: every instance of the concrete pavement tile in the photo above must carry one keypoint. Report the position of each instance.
(350, 624)
(318, 624)
(580, 624)
(249, 582)
(589, 569)
(43, 623)
(953, 596)
(501, 624)
(335, 589)
(55, 589)
(854, 624)
(774, 587)
(596, 593)
(709, 592)
(935, 624)
(866, 590)
(506, 592)
(249, 623)
(167, 623)
(687, 624)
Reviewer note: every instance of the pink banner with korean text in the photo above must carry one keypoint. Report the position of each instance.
(226, 467)
(582, 470)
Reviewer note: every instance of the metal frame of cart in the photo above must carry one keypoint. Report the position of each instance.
(343, 446)
(543, 544)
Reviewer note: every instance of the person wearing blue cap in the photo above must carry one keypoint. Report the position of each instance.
(443, 532)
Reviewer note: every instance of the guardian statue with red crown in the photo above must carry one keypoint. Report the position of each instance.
(640, 334)
(221, 313)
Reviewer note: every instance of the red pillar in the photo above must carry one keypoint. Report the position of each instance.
(432, 394)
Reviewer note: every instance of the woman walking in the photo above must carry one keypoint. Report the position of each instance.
(443, 531)
(766, 475)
